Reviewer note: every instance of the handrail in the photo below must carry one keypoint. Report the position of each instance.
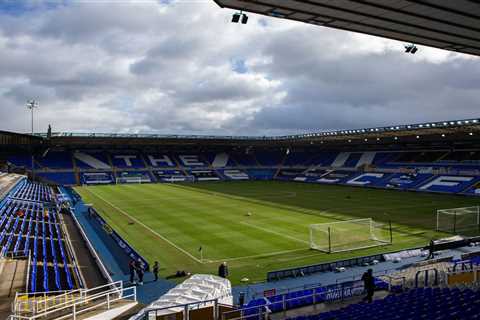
(185, 306)
(74, 306)
(36, 305)
(265, 309)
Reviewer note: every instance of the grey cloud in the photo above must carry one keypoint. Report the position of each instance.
(162, 67)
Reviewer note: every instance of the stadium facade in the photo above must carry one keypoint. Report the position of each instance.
(432, 157)
(40, 218)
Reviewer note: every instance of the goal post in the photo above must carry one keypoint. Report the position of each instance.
(130, 179)
(456, 220)
(349, 235)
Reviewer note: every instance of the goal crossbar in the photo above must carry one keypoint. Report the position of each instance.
(455, 220)
(349, 235)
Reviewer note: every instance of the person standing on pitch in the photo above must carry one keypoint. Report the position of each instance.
(369, 284)
(223, 270)
(155, 270)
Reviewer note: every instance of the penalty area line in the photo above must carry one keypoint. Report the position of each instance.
(146, 227)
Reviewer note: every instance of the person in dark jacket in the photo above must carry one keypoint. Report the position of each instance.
(140, 272)
(131, 268)
(223, 270)
(369, 284)
(431, 250)
(155, 270)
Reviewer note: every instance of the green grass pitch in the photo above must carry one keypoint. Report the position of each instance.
(170, 222)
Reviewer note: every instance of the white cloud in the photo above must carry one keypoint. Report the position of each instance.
(174, 68)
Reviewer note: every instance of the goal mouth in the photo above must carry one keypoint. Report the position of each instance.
(349, 235)
(459, 220)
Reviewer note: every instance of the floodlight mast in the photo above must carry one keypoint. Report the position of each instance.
(32, 104)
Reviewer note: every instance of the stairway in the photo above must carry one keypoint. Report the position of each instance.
(102, 302)
(13, 275)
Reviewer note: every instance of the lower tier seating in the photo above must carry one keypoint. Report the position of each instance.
(415, 304)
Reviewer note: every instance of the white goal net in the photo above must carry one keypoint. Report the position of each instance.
(122, 180)
(349, 235)
(457, 220)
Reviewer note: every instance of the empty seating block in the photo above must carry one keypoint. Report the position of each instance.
(416, 304)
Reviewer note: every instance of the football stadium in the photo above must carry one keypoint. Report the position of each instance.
(375, 222)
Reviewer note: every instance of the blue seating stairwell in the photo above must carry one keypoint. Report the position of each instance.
(36, 231)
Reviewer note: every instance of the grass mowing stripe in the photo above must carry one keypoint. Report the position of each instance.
(270, 254)
(209, 214)
(145, 226)
(274, 232)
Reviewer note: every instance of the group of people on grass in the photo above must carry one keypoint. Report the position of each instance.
(137, 271)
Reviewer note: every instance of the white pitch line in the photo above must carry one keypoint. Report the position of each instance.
(146, 227)
(274, 232)
(257, 255)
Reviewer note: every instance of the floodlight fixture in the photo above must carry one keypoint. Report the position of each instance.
(236, 17)
(239, 17)
(411, 48)
(244, 18)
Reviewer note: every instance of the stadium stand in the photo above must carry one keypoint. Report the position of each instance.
(427, 171)
(31, 224)
(438, 166)
(421, 303)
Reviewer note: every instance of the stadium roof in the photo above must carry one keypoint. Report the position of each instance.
(446, 134)
(446, 24)
(439, 126)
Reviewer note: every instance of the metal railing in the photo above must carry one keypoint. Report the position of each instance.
(261, 312)
(154, 312)
(42, 302)
(83, 303)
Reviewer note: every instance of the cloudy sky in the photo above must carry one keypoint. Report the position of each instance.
(180, 67)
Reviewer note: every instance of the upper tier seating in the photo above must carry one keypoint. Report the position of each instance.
(428, 171)
(56, 160)
(127, 160)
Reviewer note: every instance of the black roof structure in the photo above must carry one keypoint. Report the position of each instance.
(446, 24)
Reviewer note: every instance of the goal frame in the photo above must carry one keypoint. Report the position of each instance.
(330, 249)
(454, 212)
(129, 180)
(176, 179)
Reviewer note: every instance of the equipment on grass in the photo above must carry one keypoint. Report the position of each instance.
(458, 219)
(349, 235)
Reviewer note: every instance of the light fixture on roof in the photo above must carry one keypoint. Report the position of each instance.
(378, 139)
(349, 140)
(418, 137)
(395, 138)
(366, 139)
(411, 48)
(443, 135)
(470, 134)
(239, 15)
